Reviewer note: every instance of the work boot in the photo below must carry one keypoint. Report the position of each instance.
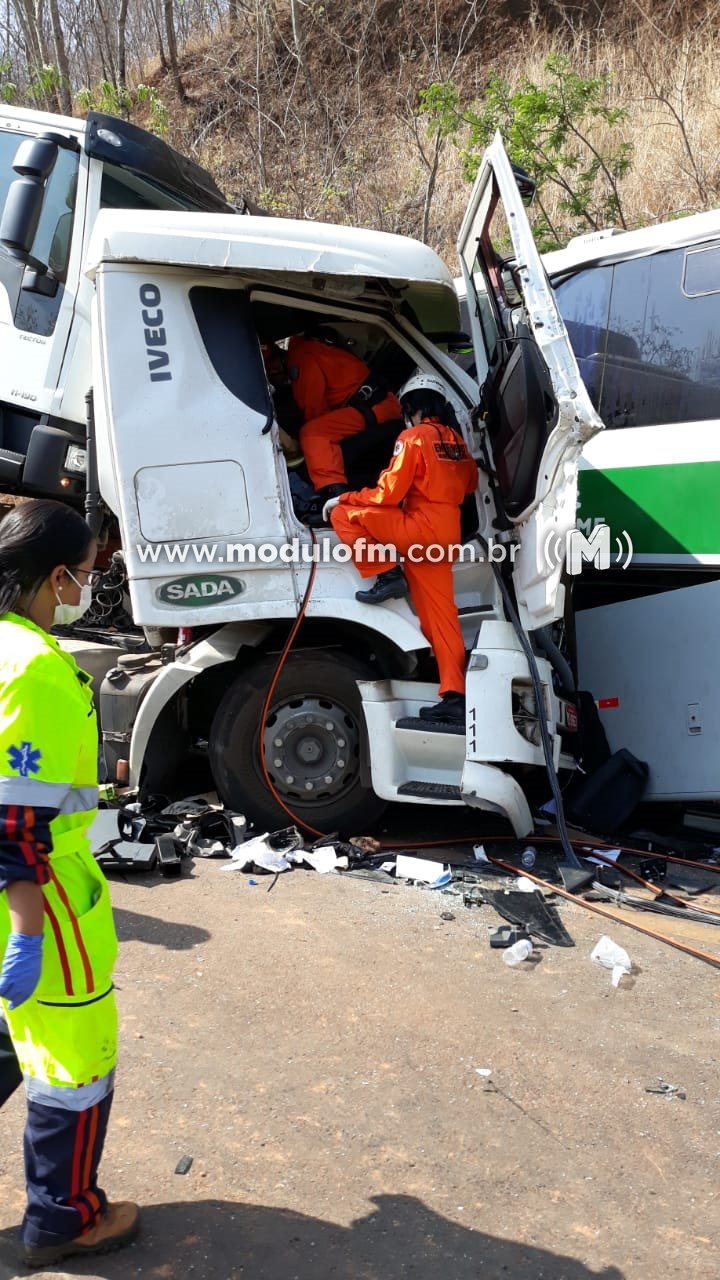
(390, 585)
(315, 520)
(332, 491)
(450, 710)
(118, 1226)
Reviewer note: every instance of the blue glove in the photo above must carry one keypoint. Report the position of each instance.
(21, 967)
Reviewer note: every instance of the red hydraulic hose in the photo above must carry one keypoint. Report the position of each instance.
(300, 822)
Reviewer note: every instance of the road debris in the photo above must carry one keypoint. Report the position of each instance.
(611, 956)
(518, 952)
(667, 1090)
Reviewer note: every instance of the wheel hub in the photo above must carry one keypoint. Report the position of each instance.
(311, 748)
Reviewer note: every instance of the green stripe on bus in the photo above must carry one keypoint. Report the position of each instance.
(665, 509)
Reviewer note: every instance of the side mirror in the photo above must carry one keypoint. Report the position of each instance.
(34, 162)
(525, 184)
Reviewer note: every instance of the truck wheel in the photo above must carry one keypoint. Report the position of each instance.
(312, 745)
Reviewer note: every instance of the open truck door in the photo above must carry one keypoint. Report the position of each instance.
(536, 409)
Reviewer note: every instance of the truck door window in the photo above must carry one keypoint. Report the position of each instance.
(227, 329)
(662, 360)
(35, 312)
(54, 234)
(584, 304)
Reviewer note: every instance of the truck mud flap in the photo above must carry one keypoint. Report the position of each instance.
(539, 918)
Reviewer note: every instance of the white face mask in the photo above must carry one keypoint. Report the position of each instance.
(66, 614)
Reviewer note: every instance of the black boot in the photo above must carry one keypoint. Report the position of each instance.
(450, 710)
(332, 491)
(314, 518)
(390, 585)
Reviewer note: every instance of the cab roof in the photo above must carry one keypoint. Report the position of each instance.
(343, 263)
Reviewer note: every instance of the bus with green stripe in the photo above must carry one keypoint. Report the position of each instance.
(642, 310)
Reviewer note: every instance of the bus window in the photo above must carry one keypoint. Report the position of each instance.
(668, 369)
(702, 272)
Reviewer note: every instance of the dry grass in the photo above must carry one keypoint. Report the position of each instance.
(338, 142)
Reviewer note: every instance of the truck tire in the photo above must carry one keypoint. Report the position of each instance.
(312, 744)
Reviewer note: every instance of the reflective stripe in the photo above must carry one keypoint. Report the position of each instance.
(38, 795)
(79, 800)
(80, 1098)
(48, 795)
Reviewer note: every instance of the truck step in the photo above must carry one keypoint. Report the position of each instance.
(429, 726)
(430, 790)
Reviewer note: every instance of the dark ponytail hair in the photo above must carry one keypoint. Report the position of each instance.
(35, 538)
(431, 405)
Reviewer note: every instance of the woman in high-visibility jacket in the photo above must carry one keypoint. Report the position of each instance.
(415, 506)
(58, 1022)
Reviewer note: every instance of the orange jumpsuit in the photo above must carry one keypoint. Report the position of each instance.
(323, 379)
(430, 474)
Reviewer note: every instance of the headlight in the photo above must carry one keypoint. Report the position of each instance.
(76, 459)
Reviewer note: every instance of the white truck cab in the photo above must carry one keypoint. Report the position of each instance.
(56, 174)
(189, 461)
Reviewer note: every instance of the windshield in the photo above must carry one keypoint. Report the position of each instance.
(52, 242)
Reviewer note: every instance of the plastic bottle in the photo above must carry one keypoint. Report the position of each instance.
(518, 952)
(529, 858)
(611, 956)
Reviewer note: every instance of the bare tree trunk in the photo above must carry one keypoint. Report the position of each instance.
(106, 42)
(65, 89)
(158, 27)
(121, 46)
(300, 48)
(172, 49)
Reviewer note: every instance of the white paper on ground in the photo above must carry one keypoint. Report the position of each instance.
(423, 869)
(322, 860)
(480, 854)
(245, 852)
(103, 828)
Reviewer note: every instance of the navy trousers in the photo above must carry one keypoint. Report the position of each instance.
(62, 1153)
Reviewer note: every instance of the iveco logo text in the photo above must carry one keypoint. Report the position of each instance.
(155, 337)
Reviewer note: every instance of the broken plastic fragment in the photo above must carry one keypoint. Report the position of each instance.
(408, 868)
(611, 956)
(525, 886)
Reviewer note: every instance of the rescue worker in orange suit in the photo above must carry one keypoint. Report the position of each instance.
(335, 392)
(415, 505)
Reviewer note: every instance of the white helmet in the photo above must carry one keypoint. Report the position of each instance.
(433, 382)
(424, 382)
